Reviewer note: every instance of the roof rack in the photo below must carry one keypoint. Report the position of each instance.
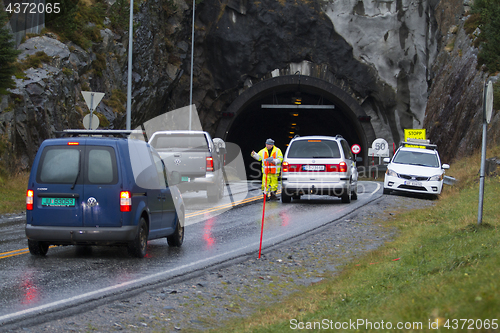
(339, 136)
(418, 143)
(73, 133)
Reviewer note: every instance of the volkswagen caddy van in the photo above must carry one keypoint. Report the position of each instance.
(101, 190)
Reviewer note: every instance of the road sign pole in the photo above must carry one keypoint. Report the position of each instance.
(91, 109)
(483, 162)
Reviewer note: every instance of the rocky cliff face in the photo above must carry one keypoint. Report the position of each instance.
(381, 53)
(454, 114)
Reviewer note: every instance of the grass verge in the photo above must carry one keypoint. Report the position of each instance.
(13, 193)
(441, 273)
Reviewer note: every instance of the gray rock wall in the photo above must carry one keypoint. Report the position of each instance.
(454, 115)
(399, 39)
(380, 52)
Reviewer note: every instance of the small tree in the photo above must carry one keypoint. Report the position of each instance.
(8, 54)
(489, 52)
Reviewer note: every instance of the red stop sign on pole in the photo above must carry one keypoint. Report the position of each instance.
(355, 149)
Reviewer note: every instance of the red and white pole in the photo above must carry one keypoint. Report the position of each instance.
(263, 211)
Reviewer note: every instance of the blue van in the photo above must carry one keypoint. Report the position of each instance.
(101, 190)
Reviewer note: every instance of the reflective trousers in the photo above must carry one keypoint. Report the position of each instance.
(272, 182)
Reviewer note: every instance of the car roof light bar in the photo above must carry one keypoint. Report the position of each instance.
(418, 142)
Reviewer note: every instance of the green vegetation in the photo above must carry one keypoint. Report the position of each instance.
(441, 266)
(81, 20)
(8, 55)
(13, 193)
(33, 61)
(117, 101)
(78, 21)
(99, 64)
(119, 14)
(496, 95)
(486, 16)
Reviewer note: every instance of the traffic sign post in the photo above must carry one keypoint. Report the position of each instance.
(92, 99)
(355, 149)
(487, 111)
(379, 148)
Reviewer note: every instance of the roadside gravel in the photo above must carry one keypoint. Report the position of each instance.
(239, 287)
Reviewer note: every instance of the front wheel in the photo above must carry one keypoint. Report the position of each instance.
(177, 238)
(38, 248)
(138, 246)
(285, 198)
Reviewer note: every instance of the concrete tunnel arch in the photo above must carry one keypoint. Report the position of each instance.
(248, 125)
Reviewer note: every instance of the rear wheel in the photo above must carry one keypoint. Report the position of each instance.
(138, 246)
(346, 196)
(354, 193)
(216, 192)
(177, 238)
(38, 248)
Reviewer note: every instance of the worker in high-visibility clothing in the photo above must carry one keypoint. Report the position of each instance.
(271, 157)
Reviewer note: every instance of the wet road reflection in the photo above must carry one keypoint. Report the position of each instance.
(71, 275)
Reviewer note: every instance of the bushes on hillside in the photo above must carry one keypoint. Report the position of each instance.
(486, 16)
(8, 54)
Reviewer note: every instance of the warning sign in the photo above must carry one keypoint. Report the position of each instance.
(415, 134)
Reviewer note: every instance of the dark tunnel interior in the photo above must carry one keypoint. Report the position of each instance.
(253, 125)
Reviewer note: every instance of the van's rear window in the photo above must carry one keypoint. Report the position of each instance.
(59, 165)
(314, 149)
(101, 165)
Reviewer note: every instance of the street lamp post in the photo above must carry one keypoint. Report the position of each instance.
(192, 61)
(129, 83)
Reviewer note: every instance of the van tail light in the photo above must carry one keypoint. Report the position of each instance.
(125, 201)
(342, 167)
(285, 166)
(210, 163)
(29, 200)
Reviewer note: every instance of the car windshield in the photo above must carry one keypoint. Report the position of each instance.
(314, 149)
(416, 158)
(186, 141)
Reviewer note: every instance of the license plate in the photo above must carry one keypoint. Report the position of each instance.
(185, 179)
(410, 183)
(313, 167)
(58, 202)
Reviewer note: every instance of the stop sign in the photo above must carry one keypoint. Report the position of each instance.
(355, 149)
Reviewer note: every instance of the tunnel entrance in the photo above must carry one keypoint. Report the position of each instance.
(282, 107)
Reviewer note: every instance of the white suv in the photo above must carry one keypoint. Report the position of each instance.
(319, 165)
(416, 170)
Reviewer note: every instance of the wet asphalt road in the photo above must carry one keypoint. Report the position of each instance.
(69, 276)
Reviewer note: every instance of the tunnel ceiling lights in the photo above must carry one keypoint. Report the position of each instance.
(302, 106)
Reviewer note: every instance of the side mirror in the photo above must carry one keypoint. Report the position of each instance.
(175, 178)
(445, 166)
(387, 160)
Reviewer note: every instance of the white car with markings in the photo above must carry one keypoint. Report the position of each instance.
(415, 169)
